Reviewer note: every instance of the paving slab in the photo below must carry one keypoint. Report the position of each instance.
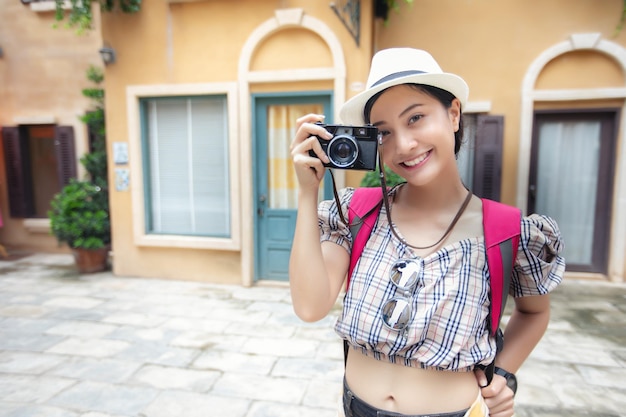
(100, 345)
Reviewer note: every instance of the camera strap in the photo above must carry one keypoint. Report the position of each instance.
(337, 201)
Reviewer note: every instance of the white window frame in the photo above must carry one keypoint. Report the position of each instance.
(134, 94)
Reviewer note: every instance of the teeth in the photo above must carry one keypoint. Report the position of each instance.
(416, 160)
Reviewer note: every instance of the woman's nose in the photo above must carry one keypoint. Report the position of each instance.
(405, 141)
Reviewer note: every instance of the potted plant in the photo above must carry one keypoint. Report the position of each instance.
(79, 214)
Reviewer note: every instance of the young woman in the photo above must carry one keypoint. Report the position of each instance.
(422, 360)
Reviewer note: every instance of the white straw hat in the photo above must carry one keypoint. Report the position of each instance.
(401, 66)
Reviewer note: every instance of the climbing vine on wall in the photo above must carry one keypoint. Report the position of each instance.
(382, 7)
(622, 20)
(80, 15)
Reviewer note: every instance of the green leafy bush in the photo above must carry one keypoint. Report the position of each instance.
(80, 14)
(372, 178)
(79, 215)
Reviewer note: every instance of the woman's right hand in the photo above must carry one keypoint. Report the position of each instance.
(316, 271)
(309, 169)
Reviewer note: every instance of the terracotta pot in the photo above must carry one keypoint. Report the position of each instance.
(91, 260)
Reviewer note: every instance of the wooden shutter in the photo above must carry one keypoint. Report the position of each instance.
(17, 163)
(65, 153)
(488, 156)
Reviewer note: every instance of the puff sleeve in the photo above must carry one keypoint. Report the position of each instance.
(539, 266)
(332, 229)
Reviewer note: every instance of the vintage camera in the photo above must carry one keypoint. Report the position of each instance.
(351, 147)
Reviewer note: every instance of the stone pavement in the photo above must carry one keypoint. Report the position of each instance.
(104, 346)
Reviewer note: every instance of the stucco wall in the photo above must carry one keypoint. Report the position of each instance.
(493, 57)
(491, 44)
(42, 73)
(495, 45)
(201, 42)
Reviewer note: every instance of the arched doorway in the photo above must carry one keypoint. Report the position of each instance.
(285, 83)
(599, 133)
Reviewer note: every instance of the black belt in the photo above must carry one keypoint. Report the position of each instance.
(353, 406)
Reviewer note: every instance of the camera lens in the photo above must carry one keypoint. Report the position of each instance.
(343, 151)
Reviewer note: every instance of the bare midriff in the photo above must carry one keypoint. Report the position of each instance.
(407, 390)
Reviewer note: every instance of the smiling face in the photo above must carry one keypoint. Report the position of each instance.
(418, 133)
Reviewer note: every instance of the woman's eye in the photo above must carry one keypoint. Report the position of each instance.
(415, 118)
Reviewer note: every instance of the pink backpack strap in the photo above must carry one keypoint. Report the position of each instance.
(362, 215)
(501, 225)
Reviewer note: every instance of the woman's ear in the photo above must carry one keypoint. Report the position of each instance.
(454, 112)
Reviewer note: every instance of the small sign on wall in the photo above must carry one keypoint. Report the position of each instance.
(120, 153)
(122, 179)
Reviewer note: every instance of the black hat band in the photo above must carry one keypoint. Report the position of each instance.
(397, 75)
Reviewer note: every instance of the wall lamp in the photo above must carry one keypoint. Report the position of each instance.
(108, 55)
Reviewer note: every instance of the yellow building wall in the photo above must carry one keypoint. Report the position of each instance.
(201, 42)
(491, 44)
(42, 72)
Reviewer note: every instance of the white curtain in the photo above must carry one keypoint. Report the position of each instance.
(281, 124)
(187, 147)
(567, 177)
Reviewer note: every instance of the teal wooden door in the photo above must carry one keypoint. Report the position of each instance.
(275, 185)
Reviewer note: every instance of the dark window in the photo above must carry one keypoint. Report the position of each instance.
(488, 157)
(480, 159)
(39, 160)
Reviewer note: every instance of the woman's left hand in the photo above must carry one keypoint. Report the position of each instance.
(498, 396)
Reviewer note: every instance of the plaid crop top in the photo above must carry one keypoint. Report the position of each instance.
(448, 329)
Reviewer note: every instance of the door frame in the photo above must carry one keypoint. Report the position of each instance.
(609, 119)
(259, 103)
(532, 94)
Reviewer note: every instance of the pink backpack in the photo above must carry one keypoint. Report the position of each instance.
(501, 227)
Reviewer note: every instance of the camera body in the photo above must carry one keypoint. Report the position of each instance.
(351, 147)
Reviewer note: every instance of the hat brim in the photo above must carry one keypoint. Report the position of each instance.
(351, 112)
